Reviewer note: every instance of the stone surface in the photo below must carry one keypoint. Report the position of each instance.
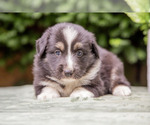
(18, 106)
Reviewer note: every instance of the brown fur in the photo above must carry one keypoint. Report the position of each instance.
(60, 46)
(78, 46)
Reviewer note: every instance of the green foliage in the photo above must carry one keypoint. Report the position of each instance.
(139, 5)
(142, 17)
(116, 32)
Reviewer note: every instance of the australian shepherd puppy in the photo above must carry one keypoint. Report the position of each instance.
(69, 62)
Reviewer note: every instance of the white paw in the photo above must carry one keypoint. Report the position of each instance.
(121, 90)
(81, 93)
(48, 93)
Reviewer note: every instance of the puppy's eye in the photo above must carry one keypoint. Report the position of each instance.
(79, 53)
(57, 52)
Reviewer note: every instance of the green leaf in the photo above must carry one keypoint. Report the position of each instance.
(141, 54)
(27, 58)
(139, 5)
(65, 18)
(102, 40)
(116, 42)
(131, 54)
(140, 17)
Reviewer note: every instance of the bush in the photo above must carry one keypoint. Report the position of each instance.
(116, 32)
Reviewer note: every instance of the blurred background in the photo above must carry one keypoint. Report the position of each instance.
(114, 31)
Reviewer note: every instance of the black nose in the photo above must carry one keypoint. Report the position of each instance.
(68, 72)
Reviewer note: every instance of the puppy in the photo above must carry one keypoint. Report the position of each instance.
(68, 62)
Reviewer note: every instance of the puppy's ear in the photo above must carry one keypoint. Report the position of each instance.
(41, 43)
(95, 49)
(94, 46)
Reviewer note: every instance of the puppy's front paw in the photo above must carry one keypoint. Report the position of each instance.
(48, 93)
(121, 90)
(81, 93)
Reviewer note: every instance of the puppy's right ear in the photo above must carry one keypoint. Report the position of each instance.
(41, 43)
(94, 45)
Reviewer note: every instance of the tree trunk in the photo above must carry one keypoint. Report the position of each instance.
(148, 61)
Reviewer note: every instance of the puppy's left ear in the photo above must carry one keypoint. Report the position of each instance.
(94, 46)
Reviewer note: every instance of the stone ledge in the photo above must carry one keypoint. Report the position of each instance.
(18, 106)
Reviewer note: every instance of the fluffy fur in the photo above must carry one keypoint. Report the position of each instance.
(68, 62)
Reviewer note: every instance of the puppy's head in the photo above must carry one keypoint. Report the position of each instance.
(67, 51)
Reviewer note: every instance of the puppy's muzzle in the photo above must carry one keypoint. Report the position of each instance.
(68, 72)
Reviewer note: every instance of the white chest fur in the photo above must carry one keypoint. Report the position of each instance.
(64, 91)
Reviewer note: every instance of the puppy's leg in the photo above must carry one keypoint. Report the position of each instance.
(81, 93)
(48, 93)
(119, 84)
(121, 90)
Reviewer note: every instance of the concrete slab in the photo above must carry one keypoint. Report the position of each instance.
(18, 106)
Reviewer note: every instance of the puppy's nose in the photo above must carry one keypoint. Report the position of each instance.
(68, 72)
